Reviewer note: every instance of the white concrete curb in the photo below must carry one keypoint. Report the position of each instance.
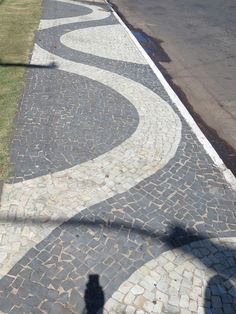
(229, 177)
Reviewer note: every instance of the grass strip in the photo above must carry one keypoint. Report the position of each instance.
(18, 21)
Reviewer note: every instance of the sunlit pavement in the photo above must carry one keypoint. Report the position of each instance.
(113, 205)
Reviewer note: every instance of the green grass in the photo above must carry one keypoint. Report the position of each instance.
(18, 21)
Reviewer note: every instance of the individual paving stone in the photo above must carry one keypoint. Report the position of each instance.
(193, 306)
(118, 296)
(216, 302)
(137, 290)
(129, 298)
(171, 309)
(185, 311)
(125, 287)
(59, 309)
(130, 309)
(174, 300)
(184, 301)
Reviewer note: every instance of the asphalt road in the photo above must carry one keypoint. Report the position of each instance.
(199, 39)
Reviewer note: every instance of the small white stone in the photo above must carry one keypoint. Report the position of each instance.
(198, 273)
(144, 270)
(135, 277)
(175, 284)
(125, 287)
(162, 260)
(129, 298)
(3, 256)
(171, 309)
(148, 306)
(174, 275)
(201, 310)
(174, 300)
(156, 276)
(162, 285)
(120, 308)
(152, 264)
(200, 301)
(157, 307)
(170, 256)
(160, 270)
(189, 266)
(149, 295)
(130, 310)
(169, 267)
(137, 290)
(184, 301)
(193, 305)
(173, 291)
(198, 290)
(185, 311)
(111, 305)
(146, 285)
(188, 274)
(197, 281)
(193, 295)
(179, 269)
(186, 283)
(118, 296)
(162, 297)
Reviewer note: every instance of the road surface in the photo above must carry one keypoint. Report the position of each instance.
(198, 38)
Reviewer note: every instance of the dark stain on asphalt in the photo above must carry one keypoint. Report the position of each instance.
(156, 52)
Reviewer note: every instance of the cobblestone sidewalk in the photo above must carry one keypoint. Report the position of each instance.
(113, 206)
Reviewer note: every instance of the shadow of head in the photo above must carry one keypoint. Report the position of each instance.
(94, 296)
(220, 296)
(216, 254)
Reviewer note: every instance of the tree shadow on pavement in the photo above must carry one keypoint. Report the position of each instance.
(26, 65)
(220, 293)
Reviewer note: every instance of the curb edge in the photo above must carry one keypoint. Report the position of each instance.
(227, 173)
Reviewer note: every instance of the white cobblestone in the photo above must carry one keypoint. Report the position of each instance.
(118, 296)
(174, 300)
(136, 290)
(125, 287)
(130, 310)
(157, 308)
(129, 298)
(184, 301)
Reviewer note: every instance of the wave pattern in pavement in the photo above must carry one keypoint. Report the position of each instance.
(107, 212)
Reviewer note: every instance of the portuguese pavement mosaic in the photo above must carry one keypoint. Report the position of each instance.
(112, 206)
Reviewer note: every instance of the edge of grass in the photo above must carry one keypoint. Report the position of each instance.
(19, 21)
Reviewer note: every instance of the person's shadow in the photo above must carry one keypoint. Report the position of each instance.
(94, 296)
(217, 296)
(220, 293)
